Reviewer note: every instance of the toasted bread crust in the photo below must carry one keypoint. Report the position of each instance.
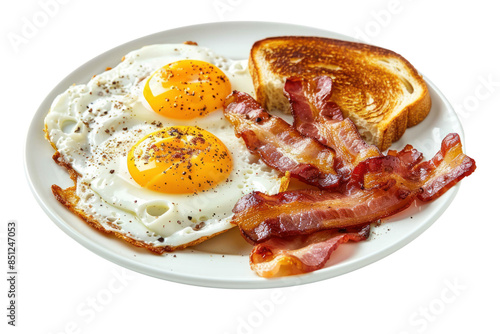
(419, 110)
(362, 73)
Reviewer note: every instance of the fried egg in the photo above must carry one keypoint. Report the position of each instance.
(156, 160)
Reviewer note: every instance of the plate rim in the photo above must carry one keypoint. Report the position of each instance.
(257, 282)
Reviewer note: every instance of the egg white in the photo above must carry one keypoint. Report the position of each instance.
(93, 127)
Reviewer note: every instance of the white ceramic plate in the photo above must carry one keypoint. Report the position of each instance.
(223, 260)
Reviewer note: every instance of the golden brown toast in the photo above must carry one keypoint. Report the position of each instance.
(379, 90)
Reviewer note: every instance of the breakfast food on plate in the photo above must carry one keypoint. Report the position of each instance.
(379, 90)
(153, 159)
(171, 147)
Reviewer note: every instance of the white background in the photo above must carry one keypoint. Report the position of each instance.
(444, 281)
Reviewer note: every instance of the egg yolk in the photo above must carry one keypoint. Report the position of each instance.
(187, 89)
(179, 160)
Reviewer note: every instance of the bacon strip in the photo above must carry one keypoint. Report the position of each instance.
(292, 256)
(297, 212)
(279, 145)
(316, 116)
(380, 187)
(434, 177)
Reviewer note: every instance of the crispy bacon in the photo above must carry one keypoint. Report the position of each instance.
(296, 231)
(434, 176)
(279, 145)
(302, 254)
(297, 212)
(380, 187)
(316, 116)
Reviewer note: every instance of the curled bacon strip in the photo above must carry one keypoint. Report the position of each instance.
(434, 177)
(279, 145)
(291, 256)
(316, 116)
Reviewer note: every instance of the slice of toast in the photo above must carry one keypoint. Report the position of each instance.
(379, 90)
